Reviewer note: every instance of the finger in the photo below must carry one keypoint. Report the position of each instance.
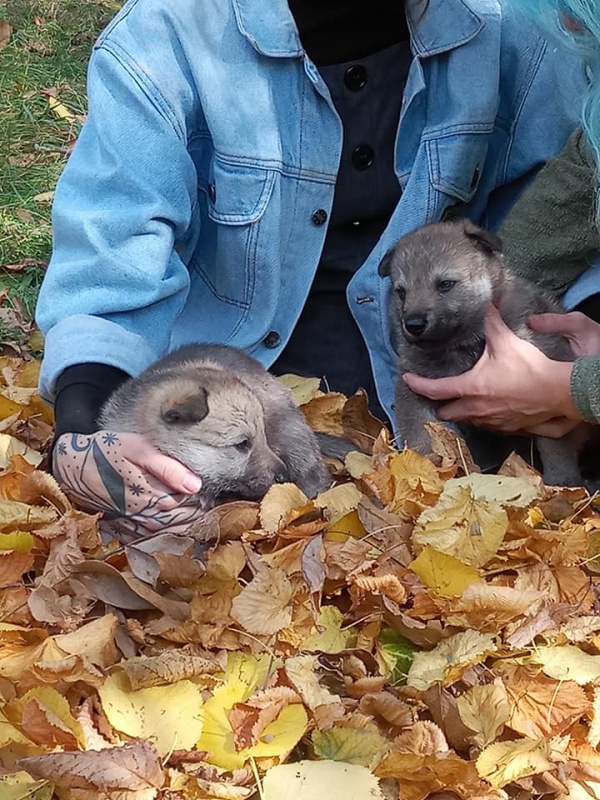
(435, 388)
(170, 472)
(457, 411)
(565, 324)
(495, 329)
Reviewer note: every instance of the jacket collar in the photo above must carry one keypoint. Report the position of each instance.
(435, 26)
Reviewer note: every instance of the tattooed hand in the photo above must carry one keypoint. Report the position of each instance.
(129, 480)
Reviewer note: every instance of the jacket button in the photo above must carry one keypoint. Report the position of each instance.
(362, 156)
(319, 217)
(355, 77)
(272, 340)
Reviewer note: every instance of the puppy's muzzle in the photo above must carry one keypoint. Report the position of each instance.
(414, 326)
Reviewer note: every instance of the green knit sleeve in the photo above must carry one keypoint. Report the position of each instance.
(549, 236)
(585, 387)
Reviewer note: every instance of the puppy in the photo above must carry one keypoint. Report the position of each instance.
(218, 411)
(444, 276)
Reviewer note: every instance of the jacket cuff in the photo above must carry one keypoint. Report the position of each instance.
(585, 387)
(81, 391)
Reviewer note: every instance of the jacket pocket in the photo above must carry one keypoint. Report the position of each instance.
(457, 162)
(238, 195)
(234, 232)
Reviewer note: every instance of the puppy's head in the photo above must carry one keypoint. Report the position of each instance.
(443, 276)
(213, 423)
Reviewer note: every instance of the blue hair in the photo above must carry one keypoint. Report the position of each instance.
(585, 36)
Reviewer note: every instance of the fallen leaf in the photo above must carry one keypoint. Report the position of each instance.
(168, 716)
(5, 32)
(462, 526)
(282, 500)
(446, 662)
(568, 663)
(130, 767)
(365, 746)
(485, 710)
(446, 575)
(302, 389)
(307, 780)
(263, 606)
(506, 762)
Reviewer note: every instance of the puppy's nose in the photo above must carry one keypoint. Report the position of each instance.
(415, 324)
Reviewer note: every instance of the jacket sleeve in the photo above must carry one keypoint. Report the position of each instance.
(550, 236)
(115, 282)
(585, 388)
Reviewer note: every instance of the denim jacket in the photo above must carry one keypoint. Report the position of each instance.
(194, 206)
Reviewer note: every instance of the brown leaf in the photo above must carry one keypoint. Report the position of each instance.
(359, 425)
(324, 413)
(226, 522)
(450, 447)
(541, 706)
(302, 674)
(387, 707)
(131, 767)
(485, 710)
(279, 504)
(168, 667)
(5, 32)
(250, 718)
(424, 738)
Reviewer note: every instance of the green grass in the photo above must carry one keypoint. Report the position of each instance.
(49, 48)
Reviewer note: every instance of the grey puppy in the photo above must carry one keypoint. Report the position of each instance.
(444, 276)
(222, 414)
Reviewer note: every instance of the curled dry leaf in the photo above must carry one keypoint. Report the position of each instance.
(423, 738)
(385, 585)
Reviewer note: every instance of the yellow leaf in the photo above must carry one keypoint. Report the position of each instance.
(502, 489)
(506, 762)
(243, 674)
(568, 663)
(21, 786)
(60, 110)
(364, 746)
(417, 470)
(303, 389)
(462, 526)
(446, 662)
(17, 540)
(278, 504)
(358, 463)
(168, 716)
(330, 638)
(339, 501)
(444, 574)
(307, 780)
(45, 717)
(349, 525)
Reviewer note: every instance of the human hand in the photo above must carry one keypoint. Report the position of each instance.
(581, 331)
(513, 386)
(122, 475)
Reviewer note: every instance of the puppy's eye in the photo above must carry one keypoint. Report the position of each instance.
(401, 292)
(445, 286)
(243, 446)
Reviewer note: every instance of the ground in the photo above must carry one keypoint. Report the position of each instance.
(42, 85)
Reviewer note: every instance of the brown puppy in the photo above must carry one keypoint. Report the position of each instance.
(444, 276)
(222, 414)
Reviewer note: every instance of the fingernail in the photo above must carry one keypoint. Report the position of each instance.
(192, 483)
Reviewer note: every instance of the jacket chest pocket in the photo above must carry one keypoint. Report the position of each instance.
(233, 231)
(457, 167)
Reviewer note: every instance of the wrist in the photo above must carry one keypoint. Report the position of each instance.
(561, 389)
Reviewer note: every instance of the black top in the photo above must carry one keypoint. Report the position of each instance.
(332, 32)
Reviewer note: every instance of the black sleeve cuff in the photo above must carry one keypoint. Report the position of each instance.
(81, 391)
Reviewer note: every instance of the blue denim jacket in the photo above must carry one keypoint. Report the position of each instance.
(187, 209)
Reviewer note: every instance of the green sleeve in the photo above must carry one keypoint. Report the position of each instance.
(585, 387)
(549, 236)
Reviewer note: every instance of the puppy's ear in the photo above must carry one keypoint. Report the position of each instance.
(385, 265)
(185, 410)
(484, 239)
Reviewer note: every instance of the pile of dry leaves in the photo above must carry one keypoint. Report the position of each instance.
(418, 629)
